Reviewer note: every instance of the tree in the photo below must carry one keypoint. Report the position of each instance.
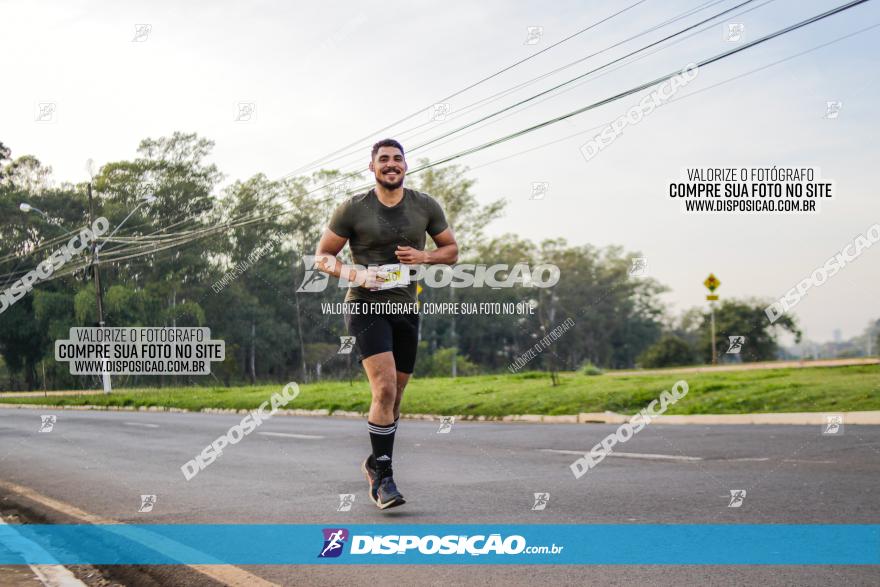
(669, 351)
(468, 219)
(744, 318)
(162, 267)
(453, 189)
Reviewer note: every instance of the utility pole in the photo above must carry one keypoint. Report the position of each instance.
(302, 347)
(95, 271)
(105, 377)
(712, 319)
(712, 284)
(95, 260)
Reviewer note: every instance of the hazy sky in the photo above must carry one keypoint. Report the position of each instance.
(322, 75)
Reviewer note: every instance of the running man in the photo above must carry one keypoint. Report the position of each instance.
(385, 227)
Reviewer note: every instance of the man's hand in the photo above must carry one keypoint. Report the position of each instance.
(411, 256)
(325, 263)
(368, 278)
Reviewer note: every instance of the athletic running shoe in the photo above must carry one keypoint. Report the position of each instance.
(388, 495)
(372, 478)
(383, 490)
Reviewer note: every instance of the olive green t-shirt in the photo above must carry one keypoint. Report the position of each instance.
(374, 231)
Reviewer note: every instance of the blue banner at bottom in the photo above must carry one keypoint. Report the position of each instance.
(533, 544)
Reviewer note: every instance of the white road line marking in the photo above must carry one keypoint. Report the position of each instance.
(49, 575)
(223, 574)
(141, 424)
(629, 455)
(291, 435)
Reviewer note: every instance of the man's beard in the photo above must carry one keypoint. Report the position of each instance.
(388, 185)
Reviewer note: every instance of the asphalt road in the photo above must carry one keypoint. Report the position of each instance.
(292, 470)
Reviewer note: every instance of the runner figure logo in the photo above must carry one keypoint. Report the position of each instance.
(340, 188)
(533, 35)
(541, 500)
(346, 344)
(736, 344)
(313, 280)
(440, 112)
(737, 496)
(334, 540)
(832, 109)
(147, 503)
(142, 33)
(346, 500)
(446, 425)
(45, 112)
(245, 111)
(833, 424)
(639, 266)
(539, 190)
(47, 423)
(735, 31)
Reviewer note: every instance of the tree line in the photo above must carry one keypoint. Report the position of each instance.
(196, 250)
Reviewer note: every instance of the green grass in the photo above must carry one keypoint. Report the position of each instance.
(816, 389)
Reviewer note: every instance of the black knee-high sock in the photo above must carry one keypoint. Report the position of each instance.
(382, 439)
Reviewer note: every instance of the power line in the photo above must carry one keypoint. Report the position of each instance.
(674, 100)
(617, 68)
(538, 126)
(502, 93)
(469, 87)
(639, 88)
(583, 75)
(353, 174)
(620, 95)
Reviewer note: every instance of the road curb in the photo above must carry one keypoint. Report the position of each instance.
(868, 418)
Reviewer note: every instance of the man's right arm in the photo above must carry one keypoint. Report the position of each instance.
(325, 260)
(325, 256)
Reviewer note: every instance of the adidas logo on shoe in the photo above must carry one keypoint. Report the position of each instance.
(384, 458)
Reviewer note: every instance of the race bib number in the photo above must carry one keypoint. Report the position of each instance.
(394, 274)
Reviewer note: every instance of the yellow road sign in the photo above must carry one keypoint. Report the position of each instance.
(712, 298)
(712, 282)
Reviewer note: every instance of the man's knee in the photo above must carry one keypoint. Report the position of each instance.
(384, 392)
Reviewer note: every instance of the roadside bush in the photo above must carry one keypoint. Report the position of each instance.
(669, 351)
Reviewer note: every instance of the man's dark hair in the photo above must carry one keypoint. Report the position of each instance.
(386, 143)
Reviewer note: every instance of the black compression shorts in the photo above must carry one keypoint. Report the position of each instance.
(384, 332)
